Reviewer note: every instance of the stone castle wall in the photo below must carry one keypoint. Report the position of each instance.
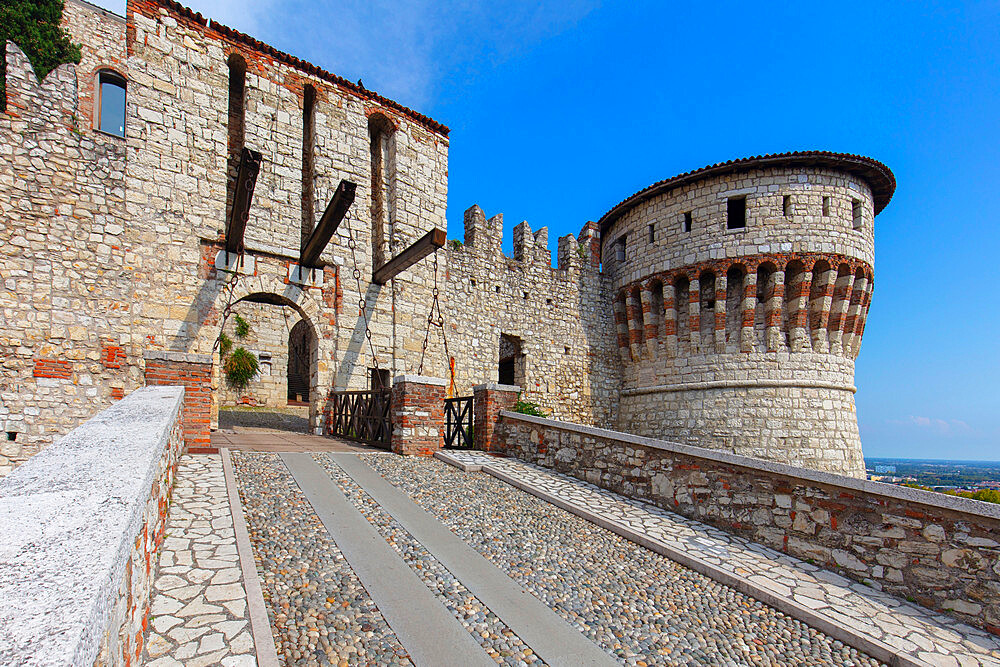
(744, 339)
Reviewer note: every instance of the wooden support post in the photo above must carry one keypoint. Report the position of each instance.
(334, 213)
(427, 244)
(246, 180)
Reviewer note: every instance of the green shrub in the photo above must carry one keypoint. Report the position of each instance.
(528, 408)
(456, 244)
(225, 345)
(241, 328)
(240, 368)
(35, 26)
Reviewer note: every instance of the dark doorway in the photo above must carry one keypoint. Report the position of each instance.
(511, 369)
(299, 346)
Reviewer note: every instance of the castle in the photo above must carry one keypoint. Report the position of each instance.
(722, 308)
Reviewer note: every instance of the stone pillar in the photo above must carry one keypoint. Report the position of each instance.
(649, 322)
(798, 321)
(621, 325)
(820, 333)
(838, 312)
(749, 312)
(853, 311)
(694, 314)
(488, 400)
(859, 326)
(669, 320)
(417, 415)
(772, 334)
(194, 373)
(634, 310)
(721, 285)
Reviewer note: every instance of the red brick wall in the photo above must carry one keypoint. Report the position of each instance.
(489, 400)
(53, 368)
(417, 416)
(196, 378)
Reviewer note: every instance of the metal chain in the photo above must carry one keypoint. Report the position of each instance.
(439, 322)
(362, 303)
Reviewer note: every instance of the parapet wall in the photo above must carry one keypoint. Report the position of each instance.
(941, 551)
(80, 526)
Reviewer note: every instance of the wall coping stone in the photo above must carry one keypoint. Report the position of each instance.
(420, 379)
(69, 517)
(183, 357)
(738, 384)
(929, 498)
(496, 386)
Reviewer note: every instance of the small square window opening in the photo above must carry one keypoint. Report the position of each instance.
(786, 205)
(652, 234)
(11, 436)
(856, 213)
(687, 221)
(620, 249)
(736, 210)
(826, 206)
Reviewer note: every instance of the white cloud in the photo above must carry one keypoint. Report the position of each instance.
(945, 427)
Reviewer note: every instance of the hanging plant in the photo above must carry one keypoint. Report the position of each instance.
(242, 327)
(225, 345)
(240, 368)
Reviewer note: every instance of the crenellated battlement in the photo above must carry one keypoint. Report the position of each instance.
(484, 237)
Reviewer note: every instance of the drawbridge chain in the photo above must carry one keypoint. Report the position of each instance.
(438, 322)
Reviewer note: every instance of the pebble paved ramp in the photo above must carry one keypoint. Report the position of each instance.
(638, 607)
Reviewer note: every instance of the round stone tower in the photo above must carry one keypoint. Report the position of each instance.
(741, 292)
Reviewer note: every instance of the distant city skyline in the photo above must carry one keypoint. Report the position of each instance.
(560, 111)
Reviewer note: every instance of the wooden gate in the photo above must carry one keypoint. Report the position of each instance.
(361, 415)
(458, 417)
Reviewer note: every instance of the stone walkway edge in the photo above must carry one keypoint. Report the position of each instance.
(260, 625)
(470, 461)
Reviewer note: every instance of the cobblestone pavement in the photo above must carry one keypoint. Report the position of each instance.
(931, 637)
(639, 606)
(198, 613)
(499, 641)
(320, 613)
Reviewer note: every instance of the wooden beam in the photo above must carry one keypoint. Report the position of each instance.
(334, 213)
(246, 180)
(427, 244)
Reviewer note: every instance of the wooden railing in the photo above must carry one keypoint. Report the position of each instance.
(361, 415)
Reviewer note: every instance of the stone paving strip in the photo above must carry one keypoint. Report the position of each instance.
(640, 607)
(320, 612)
(423, 626)
(906, 633)
(498, 640)
(198, 613)
(547, 635)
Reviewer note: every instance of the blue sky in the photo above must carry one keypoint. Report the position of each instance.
(560, 110)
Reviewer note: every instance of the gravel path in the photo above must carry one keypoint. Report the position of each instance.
(639, 606)
(319, 611)
(499, 641)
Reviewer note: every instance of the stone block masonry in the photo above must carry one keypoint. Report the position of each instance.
(194, 373)
(941, 551)
(80, 527)
(417, 415)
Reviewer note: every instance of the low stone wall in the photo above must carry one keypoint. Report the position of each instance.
(80, 525)
(941, 551)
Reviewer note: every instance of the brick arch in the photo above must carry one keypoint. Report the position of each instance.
(306, 304)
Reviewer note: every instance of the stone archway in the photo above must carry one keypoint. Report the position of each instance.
(309, 353)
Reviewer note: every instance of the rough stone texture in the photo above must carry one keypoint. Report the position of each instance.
(105, 258)
(763, 366)
(417, 415)
(199, 604)
(80, 526)
(194, 373)
(939, 550)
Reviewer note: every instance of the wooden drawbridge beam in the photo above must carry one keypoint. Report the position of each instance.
(246, 180)
(424, 246)
(334, 213)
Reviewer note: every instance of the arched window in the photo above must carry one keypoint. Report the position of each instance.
(110, 109)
